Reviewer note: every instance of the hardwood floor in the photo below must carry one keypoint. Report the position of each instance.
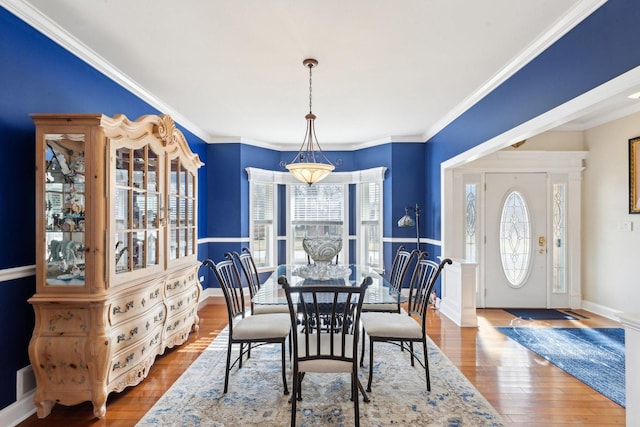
(524, 388)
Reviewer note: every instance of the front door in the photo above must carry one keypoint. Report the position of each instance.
(516, 240)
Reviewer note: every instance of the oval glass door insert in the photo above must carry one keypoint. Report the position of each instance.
(515, 239)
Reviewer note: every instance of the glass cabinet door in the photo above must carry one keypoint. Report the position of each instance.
(182, 227)
(136, 209)
(64, 209)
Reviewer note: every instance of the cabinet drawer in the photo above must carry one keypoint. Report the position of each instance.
(136, 329)
(183, 301)
(132, 356)
(178, 327)
(180, 283)
(68, 321)
(127, 306)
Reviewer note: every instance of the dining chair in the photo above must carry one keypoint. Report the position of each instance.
(256, 330)
(325, 339)
(250, 273)
(401, 263)
(399, 328)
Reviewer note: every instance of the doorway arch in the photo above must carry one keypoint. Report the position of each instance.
(587, 106)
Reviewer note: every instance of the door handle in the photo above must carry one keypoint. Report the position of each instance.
(542, 243)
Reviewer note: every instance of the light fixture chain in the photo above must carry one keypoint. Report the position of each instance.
(310, 166)
(310, 79)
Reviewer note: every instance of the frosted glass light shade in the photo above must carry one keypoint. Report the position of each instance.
(310, 173)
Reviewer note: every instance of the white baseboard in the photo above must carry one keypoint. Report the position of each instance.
(18, 411)
(210, 296)
(601, 310)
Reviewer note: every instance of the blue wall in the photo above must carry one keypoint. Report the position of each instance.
(40, 76)
(602, 47)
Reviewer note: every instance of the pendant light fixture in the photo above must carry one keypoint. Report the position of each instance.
(310, 165)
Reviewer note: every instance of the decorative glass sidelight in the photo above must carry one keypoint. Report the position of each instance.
(559, 283)
(515, 239)
(471, 223)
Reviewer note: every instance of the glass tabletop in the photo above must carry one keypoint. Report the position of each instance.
(379, 292)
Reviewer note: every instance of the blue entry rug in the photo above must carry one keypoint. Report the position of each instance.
(595, 356)
(399, 394)
(539, 314)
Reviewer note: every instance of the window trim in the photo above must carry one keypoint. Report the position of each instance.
(346, 178)
(360, 253)
(272, 245)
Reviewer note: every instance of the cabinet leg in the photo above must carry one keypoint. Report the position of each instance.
(196, 324)
(44, 407)
(100, 408)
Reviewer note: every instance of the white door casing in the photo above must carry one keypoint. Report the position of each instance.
(564, 167)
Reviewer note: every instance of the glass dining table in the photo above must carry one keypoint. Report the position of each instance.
(379, 292)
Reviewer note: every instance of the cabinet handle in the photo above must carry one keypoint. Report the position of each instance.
(177, 305)
(122, 337)
(128, 306)
(128, 361)
(154, 340)
(176, 285)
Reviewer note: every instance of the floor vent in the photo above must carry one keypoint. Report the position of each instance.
(25, 382)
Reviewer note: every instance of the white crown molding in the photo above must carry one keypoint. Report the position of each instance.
(601, 119)
(570, 110)
(342, 146)
(577, 14)
(42, 23)
(46, 26)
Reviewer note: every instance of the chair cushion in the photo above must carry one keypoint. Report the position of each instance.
(263, 326)
(270, 308)
(325, 365)
(390, 325)
(393, 308)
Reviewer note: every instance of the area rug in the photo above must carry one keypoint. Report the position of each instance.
(595, 356)
(539, 314)
(255, 398)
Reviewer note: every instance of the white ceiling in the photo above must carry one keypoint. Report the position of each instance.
(229, 70)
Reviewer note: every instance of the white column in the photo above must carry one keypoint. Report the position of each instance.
(631, 323)
(458, 299)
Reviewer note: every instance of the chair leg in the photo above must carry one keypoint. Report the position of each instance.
(284, 372)
(370, 364)
(426, 363)
(356, 399)
(241, 351)
(300, 377)
(411, 351)
(293, 399)
(362, 352)
(226, 371)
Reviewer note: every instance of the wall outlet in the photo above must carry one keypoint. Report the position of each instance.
(625, 226)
